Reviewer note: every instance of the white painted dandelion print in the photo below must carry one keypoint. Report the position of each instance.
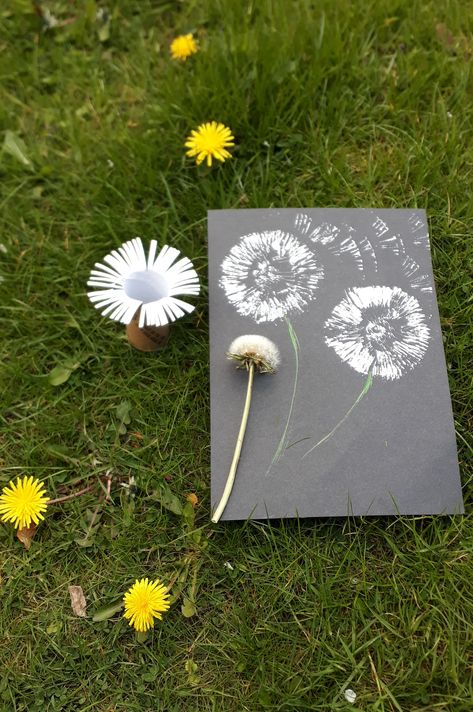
(342, 241)
(389, 239)
(416, 236)
(378, 330)
(364, 248)
(419, 231)
(269, 275)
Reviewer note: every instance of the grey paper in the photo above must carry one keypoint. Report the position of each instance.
(358, 418)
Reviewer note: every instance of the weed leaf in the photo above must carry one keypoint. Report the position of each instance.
(14, 146)
(168, 500)
(103, 614)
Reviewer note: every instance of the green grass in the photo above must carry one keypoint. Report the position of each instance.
(347, 103)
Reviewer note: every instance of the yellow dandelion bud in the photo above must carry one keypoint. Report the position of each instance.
(210, 141)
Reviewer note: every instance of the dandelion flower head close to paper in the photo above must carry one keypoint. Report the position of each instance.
(210, 141)
(257, 350)
(144, 602)
(23, 503)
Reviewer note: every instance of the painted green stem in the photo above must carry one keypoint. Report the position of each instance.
(283, 441)
(364, 391)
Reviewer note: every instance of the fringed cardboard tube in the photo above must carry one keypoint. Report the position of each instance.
(147, 338)
(128, 281)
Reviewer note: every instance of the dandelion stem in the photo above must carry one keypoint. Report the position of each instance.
(239, 443)
(85, 490)
(283, 442)
(364, 391)
(67, 497)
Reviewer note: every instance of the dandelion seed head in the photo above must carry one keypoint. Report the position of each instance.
(257, 350)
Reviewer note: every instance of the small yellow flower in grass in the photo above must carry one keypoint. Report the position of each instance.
(144, 602)
(210, 141)
(182, 47)
(23, 503)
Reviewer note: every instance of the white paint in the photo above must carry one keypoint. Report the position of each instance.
(419, 231)
(380, 227)
(418, 280)
(377, 329)
(343, 241)
(269, 274)
(367, 248)
(386, 239)
(128, 280)
(325, 233)
(394, 242)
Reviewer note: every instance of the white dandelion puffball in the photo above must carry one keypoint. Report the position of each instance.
(129, 280)
(350, 695)
(269, 274)
(381, 330)
(256, 348)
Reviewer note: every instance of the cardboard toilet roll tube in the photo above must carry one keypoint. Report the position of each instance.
(147, 338)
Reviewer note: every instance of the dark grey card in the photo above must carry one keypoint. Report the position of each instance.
(358, 418)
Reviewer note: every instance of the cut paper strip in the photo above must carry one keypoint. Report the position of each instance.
(127, 280)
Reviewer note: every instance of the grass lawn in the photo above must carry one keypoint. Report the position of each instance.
(350, 103)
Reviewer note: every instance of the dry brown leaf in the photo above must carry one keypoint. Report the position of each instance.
(458, 44)
(26, 535)
(193, 499)
(444, 35)
(78, 602)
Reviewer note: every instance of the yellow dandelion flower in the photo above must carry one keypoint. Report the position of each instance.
(210, 141)
(144, 602)
(182, 47)
(23, 503)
